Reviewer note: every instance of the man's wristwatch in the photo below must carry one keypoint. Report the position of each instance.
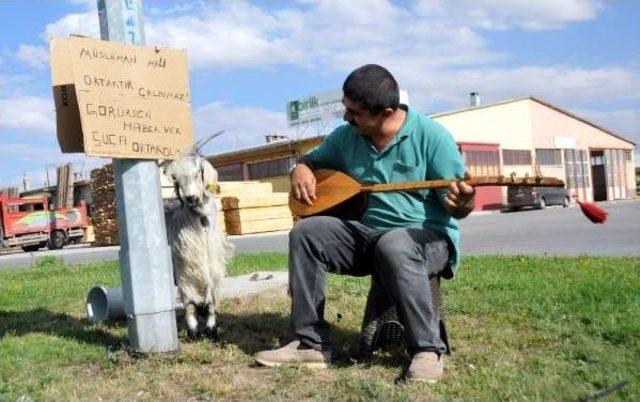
(299, 161)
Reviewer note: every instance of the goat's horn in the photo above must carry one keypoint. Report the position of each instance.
(197, 146)
(201, 143)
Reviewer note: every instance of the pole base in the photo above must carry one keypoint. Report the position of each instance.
(153, 333)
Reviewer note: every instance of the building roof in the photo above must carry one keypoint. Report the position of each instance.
(532, 98)
(265, 150)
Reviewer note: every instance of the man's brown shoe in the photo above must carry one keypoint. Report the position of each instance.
(294, 354)
(425, 366)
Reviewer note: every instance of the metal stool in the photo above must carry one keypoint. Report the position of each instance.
(381, 326)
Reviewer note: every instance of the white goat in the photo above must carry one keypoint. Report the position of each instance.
(199, 250)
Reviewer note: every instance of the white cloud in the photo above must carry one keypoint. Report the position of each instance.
(86, 24)
(435, 48)
(40, 158)
(36, 57)
(25, 151)
(244, 126)
(28, 114)
(16, 84)
(436, 32)
(91, 4)
(181, 8)
(234, 34)
(563, 85)
(239, 34)
(508, 14)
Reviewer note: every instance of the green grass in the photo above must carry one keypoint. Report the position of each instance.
(521, 328)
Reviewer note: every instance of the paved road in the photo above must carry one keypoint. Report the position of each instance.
(553, 231)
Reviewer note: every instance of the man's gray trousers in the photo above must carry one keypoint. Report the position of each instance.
(402, 260)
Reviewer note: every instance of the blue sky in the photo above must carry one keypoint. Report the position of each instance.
(248, 58)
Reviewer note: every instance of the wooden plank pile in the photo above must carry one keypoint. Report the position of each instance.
(105, 215)
(253, 207)
(91, 235)
(64, 187)
(244, 206)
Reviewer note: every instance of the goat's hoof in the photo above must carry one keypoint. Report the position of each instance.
(192, 333)
(212, 333)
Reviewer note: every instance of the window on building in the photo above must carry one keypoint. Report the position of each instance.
(577, 169)
(569, 163)
(276, 167)
(597, 159)
(627, 156)
(548, 157)
(516, 157)
(482, 163)
(231, 172)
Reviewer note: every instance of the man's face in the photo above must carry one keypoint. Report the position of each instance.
(361, 119)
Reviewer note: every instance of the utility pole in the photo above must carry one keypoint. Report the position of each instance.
(145, 257)
(26, 184)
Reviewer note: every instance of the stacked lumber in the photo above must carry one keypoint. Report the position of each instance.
(253, 207)
(64, 187)
(90, 237)
(250, 188)
(244, 207)
(105, 215)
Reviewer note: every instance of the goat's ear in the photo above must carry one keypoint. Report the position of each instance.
(209, 174)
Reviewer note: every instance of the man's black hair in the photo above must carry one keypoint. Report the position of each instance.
(373, 87)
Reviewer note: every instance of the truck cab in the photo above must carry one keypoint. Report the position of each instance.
(31, 223)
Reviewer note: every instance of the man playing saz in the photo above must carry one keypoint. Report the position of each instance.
(402, 239)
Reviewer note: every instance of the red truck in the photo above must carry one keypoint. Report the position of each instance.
(31, 224)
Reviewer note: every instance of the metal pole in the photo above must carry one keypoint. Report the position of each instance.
(145, 257)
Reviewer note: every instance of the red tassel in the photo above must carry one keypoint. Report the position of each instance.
(593, 212)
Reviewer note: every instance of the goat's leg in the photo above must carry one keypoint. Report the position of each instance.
(191, 318)
(211, 329)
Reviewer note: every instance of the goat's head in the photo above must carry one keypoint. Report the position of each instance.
(194, 179)
(192, 176)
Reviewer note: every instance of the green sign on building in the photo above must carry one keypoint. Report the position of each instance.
(322, 106)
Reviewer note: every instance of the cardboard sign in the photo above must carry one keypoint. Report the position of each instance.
(68, 124)
(132, 101)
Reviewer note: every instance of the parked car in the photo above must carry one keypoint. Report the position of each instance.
(537, 197)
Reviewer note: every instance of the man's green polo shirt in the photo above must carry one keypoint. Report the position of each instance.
(421, 150)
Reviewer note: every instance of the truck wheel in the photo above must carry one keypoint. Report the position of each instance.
(56, 241)
(31, 247)
(566, 202)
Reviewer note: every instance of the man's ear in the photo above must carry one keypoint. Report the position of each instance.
(384, 114)
(387, 112)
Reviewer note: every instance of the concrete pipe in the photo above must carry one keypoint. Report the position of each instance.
(105, 304)
(108, 303)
